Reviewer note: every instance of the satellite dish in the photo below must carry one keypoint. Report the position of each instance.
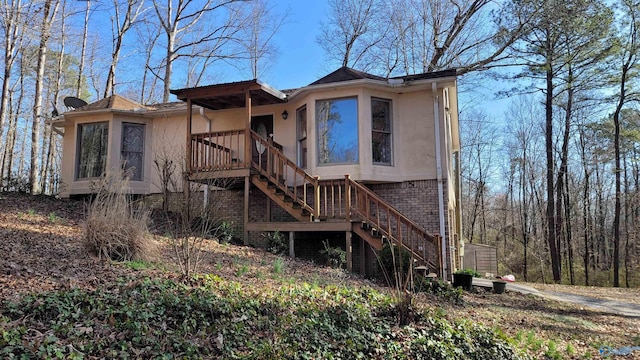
(74, 102)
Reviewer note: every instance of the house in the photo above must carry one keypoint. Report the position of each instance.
(360, 157)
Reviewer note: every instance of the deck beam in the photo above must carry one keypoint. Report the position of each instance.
(219, 174)
(299, 226)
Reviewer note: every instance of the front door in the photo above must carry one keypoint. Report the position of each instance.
(263, 126)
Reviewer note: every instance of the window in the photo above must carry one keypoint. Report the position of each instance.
(337, 121)
(381, 131)
(301, 118)
(92, 150)
(132, 150)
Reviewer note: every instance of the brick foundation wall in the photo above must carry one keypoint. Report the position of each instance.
(418, 200)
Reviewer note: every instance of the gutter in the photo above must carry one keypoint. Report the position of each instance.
(436, 124)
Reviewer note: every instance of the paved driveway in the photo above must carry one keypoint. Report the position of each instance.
(608, 306)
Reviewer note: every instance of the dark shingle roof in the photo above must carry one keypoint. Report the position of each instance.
(345, 74)
(348, 74)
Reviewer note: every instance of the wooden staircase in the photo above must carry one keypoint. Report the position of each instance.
(308, 198)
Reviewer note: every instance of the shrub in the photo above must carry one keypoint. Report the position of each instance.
(468, 272)
(444, 290)
(334, 256)
(225, 232)
(278, 244)
(115, 227)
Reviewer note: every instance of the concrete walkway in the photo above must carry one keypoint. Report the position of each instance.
(607, 306)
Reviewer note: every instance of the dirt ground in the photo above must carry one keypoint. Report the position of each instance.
(42, 249)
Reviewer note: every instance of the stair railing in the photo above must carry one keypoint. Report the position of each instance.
(287, 176)
(366, 205)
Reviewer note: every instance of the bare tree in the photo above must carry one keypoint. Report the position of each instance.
(479, 138)
(414, 36)
(148, 37)
(189, 221)
(353, 29)
(49, 10)
(85, 34)
(120, 25)
(256, 37)
(13, 16)
(178, 18)
(630, 40)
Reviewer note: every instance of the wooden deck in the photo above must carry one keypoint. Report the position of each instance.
(340, 205)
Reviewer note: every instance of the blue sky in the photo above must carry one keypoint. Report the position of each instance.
(300, 59)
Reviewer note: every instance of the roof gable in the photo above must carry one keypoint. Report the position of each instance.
(345, 74)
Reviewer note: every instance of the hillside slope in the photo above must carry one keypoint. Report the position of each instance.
(282, 307)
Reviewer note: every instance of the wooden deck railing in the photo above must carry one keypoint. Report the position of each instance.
(287, 176)
(218, 150)
(333, 200)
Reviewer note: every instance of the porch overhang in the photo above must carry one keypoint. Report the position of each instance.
(231, 95)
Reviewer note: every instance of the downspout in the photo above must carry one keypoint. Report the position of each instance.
(205, 201)
(436, 125)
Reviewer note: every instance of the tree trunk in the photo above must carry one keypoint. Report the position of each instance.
(627, 258)
(561, 188)
(551, 221)
(586, 208)
(84, 50)
(11, 23)
(45, 33)
(168, 67)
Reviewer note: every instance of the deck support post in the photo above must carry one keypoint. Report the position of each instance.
(247, 134)
(349, 246)
(363, 248)
(246, 210)
(247, 161)
(292, 238)
(188, 153)
(268, 210)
